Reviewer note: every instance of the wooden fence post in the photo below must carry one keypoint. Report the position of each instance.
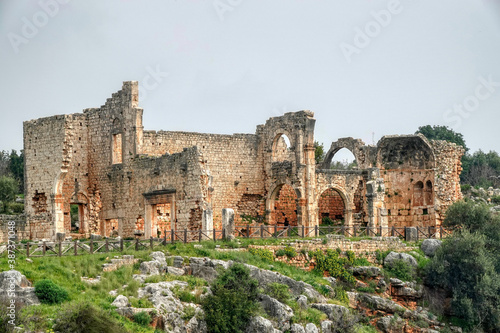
(275, 231)
(106, 246)
(91, 246)
(248, 230)
(316, 231)
(60, 250)
(185, 236)
(151, 242)
(261, 231)
(199, 234)
(392, 231)
(121, 244)
(215, 235)
(303, 231)
(165, 237)
(137, 244)
(381, 232)
(354, 233)
(28, 250)
(43, 249)
(76, 247)
(172, 236)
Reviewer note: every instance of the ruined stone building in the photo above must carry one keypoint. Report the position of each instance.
(122, 179)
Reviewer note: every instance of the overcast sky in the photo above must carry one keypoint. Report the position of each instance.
(366, 68)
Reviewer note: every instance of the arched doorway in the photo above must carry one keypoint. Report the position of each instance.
(343, 159)
(331, 208)
(284, 206)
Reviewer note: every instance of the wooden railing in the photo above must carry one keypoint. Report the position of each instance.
(68, 248)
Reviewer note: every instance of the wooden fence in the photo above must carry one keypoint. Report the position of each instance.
(67, 248)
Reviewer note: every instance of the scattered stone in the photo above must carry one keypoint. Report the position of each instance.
(333, 311)
(88, 280)
(311, 328)
(274, 308)
(113, 292)
(121, 301)
(95, 237)
(178, 261)
(411, 234)
(14, 280)
(326, 327)
(175, 271)
(302, 302)
(390, 324)
(259, 325)
(430, 246)
(366, 271)
(29, 260)
(379, 303)
(296, 328)
(331, 280)
(394, 256)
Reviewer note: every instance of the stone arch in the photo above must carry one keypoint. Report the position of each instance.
(405, 151)
(351, 144)
(281, 150)
(347, 200)
(292, 213)
(80, 198)
(428, 193)
(117, 142)
(418, 194)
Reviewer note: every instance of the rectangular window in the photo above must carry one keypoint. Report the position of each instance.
(117, 149)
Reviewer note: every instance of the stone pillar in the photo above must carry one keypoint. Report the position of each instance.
(228, 222)
(375, 194)
(411, 234)
(207, 222)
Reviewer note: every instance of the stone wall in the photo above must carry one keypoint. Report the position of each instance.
(21, 228)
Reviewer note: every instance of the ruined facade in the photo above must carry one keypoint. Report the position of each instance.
(101, 169)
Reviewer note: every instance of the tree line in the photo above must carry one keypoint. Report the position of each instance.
(11, 180)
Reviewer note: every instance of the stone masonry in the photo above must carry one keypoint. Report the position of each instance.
(123, 180)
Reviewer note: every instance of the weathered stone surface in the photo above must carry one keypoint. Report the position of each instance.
(175, 271)
(311, 328)
(353, 299)
(411, 234)
(333, 311)
(302, 301)
(366, 271)
(14, 281)
(394, 256)
(274, 308)
(405, 289)
(430, 246)
(331, 280)
(259, 325)
(390, 324)
(296, 328)
(327, 327)
(379, 303)
(121, 301)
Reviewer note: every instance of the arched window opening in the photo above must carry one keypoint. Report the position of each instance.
(344, 159)
(418, 194)
(117, 156)
(282, 149)
(284, 212)
(428, 193)
(331, 208)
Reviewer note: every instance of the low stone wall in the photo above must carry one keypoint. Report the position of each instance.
(117, 262)
(20, 227)
(365, 247)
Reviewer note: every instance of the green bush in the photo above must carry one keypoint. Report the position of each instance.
(264, 254)
(280, 253)
(496, 199)
(335, 265)
(402, 270)
(233, 301)
(142, 318)
(279, 291)
(50, 293)
(327, 221)
(85, 318)
(16, 207)
(290, 252)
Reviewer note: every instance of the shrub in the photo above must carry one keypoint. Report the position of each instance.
(85, 318)
(496, 199)
(189, 313)
(401, 270)
(290, 252)
(16, 207)
(327, 221)
(332, 263)
(280, 253)
(264, 254)
(142, 318)
(50, 293)
(279, 291)
(233, 300)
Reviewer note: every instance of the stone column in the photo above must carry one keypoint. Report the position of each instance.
(228, 222)
(207, 222)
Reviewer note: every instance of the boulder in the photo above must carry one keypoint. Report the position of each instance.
(379, 303)
(331, 280)
(395, 256)
(274, 308)
(366, 271)
(327, 327)
(259, 325)
(411, 234)
(430, 246)
(390, 324)
(296, 328)
(121, 302)
(311, 328)
(196, 325)
(175, 271)
(150, 267)
(333, 311)
(302, 302)
(14, 281)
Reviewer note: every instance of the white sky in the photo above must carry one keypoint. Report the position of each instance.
(230, 71)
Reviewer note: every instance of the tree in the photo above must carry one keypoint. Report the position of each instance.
(319, 152)
(442, 133)
(4, 163)
(16, 167)
(233, 300)
(8, 189)
(481, 169)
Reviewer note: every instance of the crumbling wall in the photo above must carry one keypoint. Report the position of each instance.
(447, 177)
(46, 152)
(234, 162)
